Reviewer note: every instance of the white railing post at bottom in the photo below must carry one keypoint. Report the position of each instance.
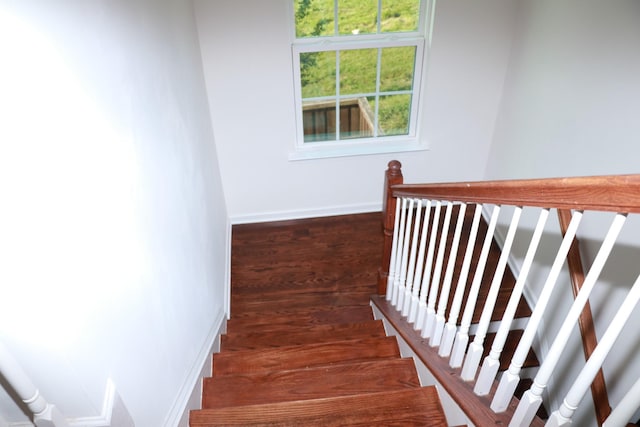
(44, 413)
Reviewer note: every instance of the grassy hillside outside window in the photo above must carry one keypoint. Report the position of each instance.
(357, 70)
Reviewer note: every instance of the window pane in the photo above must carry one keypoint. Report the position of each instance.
(357, 117)
(319, 120)
(358, 71)
(314, 18)
(357, 17)
(393, 115)
(318, 74)
(396, 71)
(400, 15)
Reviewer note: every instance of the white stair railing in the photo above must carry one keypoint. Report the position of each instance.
(415, 297)
(394, 250)
(399, 253)
(511, 378)
(405, 254)
(438, 328)
(462, 337)
(622, 413)
(532, 399)
(451, 326)
(562, 416)
(406, 304)
(426, 268)
(429, 322)
(426, 278)
(491, 363)
(476, 349)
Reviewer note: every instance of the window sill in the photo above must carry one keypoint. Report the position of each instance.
(345, 149)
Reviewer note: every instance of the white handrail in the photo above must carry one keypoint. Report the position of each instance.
(44, 413)
(511, 377)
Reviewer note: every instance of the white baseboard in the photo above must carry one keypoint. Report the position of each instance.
(190, 394)
(306, 213)
(114, 413)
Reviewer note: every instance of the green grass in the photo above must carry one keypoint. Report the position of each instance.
(358, 68)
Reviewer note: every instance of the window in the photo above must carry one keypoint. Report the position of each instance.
(357, 70)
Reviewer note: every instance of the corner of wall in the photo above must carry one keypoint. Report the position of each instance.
(190, 394)
(114, 412)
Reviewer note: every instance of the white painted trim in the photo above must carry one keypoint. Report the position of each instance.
(306, 213)
(227, 268)
(180, 408)
(20, 424)
(104, 419)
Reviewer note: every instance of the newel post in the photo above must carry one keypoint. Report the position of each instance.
(392, 176)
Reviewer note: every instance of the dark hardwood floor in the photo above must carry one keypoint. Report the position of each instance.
(302, 347)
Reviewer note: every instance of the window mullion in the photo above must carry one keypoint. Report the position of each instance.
(378, 73)
(337, 94)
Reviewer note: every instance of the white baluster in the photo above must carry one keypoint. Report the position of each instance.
(417, 280)
(534, 394)
(491, 363)
(394, 252)
(628, 406)
(510, 379)
(562, 416)
(438, 326)
(426, 278)
(401, 234)
(476, 349)
(405, 256)
(462, 337)
(449, 332)
(412, 261)
(435, 282)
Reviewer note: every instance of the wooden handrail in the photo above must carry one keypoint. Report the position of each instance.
(585, 322)
(392, 176)
(612, 193)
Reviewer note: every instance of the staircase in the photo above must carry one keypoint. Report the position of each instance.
(302, 347)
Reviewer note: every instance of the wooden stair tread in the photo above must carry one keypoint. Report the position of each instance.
(313, 383)
(298, 335)
(299, 317)
(412, 407)
(304, 356)
(267, 303)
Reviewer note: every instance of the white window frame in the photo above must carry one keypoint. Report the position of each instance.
(372, 145)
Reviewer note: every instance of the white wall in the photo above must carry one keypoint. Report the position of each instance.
(246, 48)
(570, 107)
(572, 94)
(113, 220)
